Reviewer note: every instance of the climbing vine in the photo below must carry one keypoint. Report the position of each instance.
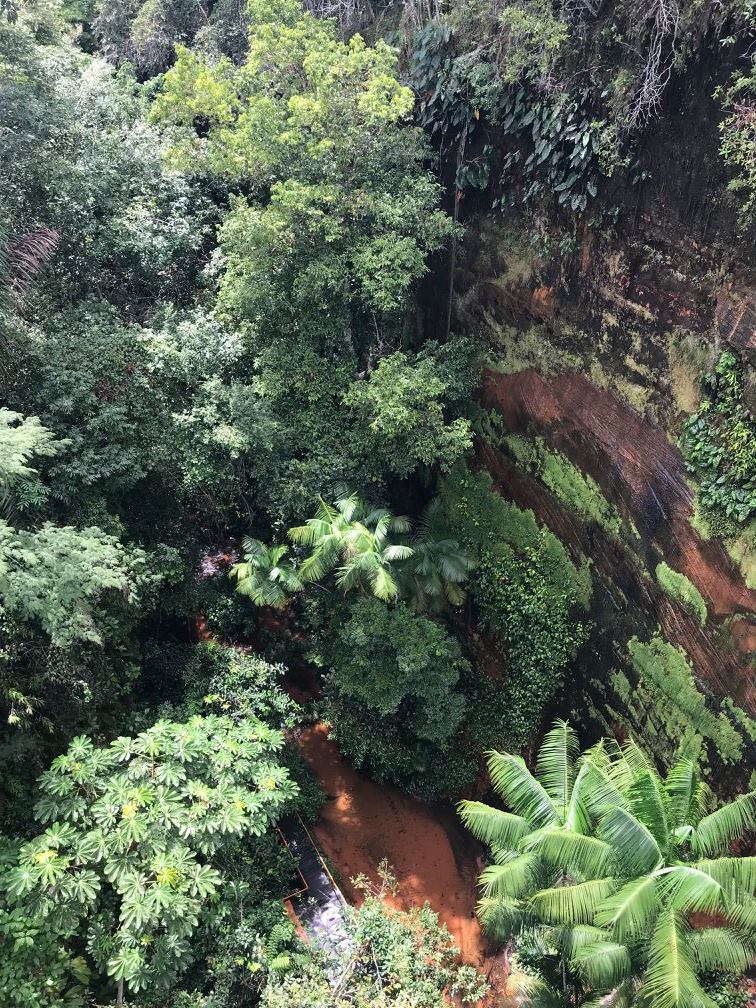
(719, 442)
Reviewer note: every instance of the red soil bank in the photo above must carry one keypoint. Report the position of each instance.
(363, 823)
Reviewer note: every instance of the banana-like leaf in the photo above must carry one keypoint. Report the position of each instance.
(515, 783)
(634, 845)
(603, 965)
(556, 765)
(716, 830)
(571, 904)
(491, 825)
(629, 910)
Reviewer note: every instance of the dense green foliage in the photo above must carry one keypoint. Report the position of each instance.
(719, 441)
(392, 691)
(229, 240)
(611, 862)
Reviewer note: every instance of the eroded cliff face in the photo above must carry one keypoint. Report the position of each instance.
(598, 362)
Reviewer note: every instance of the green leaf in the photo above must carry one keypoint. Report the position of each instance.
(736, 875)
(556, 765)
(573, 853)
(513, 879)
(491, 825)
(686, 888)
(514, 782)
(603, 965)
(722, 950)
(571, 904)
(715, 831)
(669, 981)
(629, 911)
(634, 845)
(647, 803)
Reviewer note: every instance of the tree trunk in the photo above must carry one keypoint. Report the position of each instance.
(119, 994)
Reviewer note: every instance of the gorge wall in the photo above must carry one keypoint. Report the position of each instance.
(593, 362)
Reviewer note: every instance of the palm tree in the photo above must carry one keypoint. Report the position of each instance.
(264, 577)
(620, 901)
(433, 576)
(355, 541)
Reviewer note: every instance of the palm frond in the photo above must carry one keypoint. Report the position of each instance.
(629, 910)
(716, 830)
(648, 804)
(534, 992)
(519, 788)
(571, 904)
(670, 981)
(491, 825)
(397, 552)
(503, 917)
(578, 816)
(556, 765)
(571, 939)
(721, 950)
(743, 916)
(736, 875)
(603, 965)
(601, 786)
(683, 786)
(635, 846)
(573, 853)
(384, 586)
(514, 879)
(684, 887)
